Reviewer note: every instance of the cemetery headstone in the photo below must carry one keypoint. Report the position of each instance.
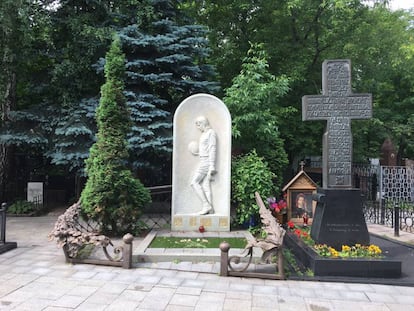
(338, 219)
(388, 153)
(35, 192)
(201, 165)
(338, 106)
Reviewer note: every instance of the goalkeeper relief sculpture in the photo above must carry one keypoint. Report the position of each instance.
(206, 169)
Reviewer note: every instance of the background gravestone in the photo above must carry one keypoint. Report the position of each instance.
(388, 153)
(185, 203)
(35, 192)
(339, 219)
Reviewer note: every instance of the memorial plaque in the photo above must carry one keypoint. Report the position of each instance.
(339, 219)
(338, 106)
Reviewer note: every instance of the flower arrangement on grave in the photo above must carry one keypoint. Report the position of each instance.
(355, 251)
(278, 209)
(302, 233)
(323, 250)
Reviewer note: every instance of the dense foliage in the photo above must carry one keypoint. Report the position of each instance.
(250, 173)
(57, 49)
(252, 99)
(298, 36)
(112, 196)
(52, 57)
(166, 62)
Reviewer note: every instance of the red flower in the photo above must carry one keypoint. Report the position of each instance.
(291, 225)
(282, 204)
(278, 207)
(298, 232)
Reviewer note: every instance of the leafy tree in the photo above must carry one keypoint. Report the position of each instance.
(385, 68)
(298, 36)
(112, 196)
(166, 63)
(232, 24)
(8, 16)
(254, 103)
(23, 34)
(250, 173)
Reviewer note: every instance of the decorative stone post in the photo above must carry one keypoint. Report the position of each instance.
(127, 262)
(224, 258)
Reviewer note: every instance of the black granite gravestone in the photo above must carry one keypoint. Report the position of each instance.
(339, 219)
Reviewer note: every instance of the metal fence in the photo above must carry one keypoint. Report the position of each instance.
(393, 204)
(157, 215)
(387, 191)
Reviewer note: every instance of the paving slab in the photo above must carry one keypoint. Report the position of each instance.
(87, 287)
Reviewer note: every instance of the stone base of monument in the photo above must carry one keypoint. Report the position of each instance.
(339, 218)
(188, 222)
(342, 267)
(5, 247)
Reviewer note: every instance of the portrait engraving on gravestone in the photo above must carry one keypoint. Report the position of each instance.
(206, 168)
(338, 106)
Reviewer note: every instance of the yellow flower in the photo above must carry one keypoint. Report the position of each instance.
(374, 250)
(333, 252)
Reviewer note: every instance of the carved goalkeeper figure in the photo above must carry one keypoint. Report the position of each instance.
(201, 181)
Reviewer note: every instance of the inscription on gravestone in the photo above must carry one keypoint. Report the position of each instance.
(338, 106)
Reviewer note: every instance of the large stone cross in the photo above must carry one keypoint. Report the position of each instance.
(338, 106)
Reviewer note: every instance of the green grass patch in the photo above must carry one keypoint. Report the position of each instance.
(210, 242)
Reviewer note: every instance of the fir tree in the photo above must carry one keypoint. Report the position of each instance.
(167, 58)
(166, 62)
(112, 196)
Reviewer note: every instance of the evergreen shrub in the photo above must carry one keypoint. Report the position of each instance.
(112, 196)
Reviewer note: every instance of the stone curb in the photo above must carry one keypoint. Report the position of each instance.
(144, 254)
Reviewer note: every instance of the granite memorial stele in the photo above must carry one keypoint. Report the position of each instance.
(339, 218)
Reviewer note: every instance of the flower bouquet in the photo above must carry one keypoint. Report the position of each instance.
(278, 209)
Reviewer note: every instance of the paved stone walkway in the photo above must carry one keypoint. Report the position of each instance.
(35, 277)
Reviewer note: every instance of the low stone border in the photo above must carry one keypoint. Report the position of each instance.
(142, 253)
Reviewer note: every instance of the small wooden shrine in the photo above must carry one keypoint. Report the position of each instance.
(299, 190)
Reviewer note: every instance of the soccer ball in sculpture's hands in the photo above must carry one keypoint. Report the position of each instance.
(193, 147)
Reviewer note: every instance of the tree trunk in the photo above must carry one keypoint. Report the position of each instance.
(6, 153)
